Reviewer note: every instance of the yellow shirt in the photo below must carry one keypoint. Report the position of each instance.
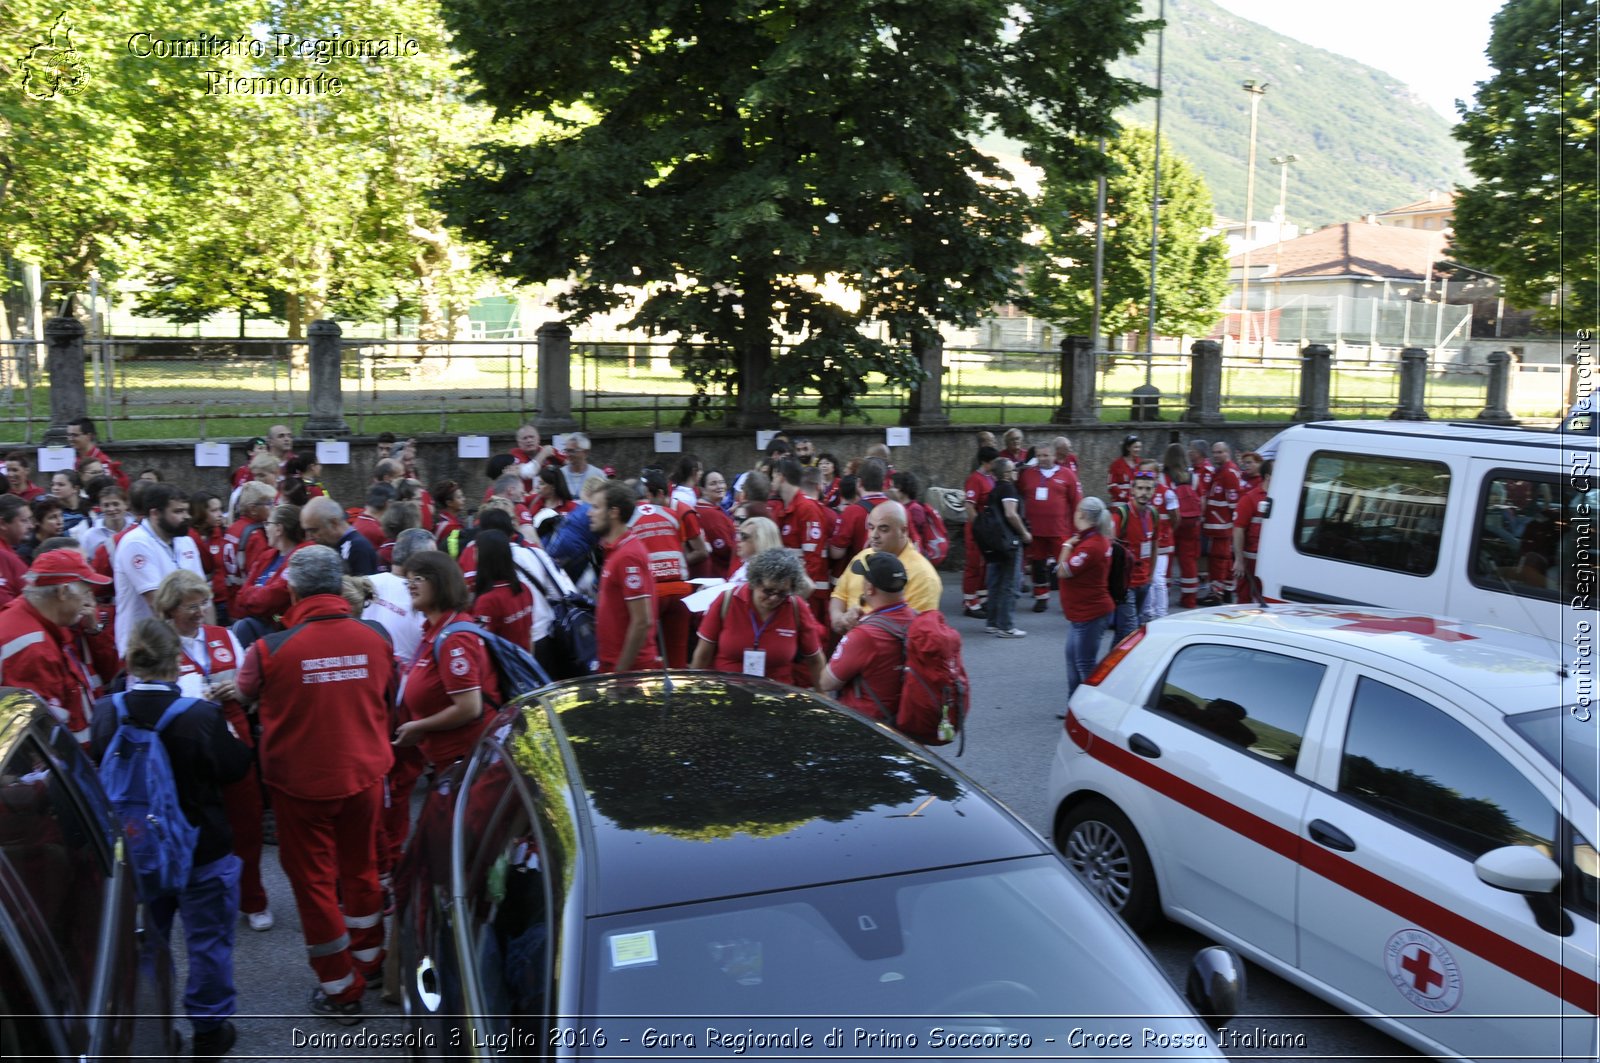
(922, 580)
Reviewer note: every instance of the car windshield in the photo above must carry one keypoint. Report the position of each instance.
(1566, 738)
(887, 961)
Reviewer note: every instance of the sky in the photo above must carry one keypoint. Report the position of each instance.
(1434, 46)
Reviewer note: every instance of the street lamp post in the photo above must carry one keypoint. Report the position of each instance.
(1147, 397)
(1282, 162)
(1256, 92)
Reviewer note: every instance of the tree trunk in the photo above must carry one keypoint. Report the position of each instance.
(753, 398)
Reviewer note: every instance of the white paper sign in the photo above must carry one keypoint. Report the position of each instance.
(55, 459)
(211, 455)
(897, 437)
(764, 437)
(669, 442)
(472, 446)
(333, 452)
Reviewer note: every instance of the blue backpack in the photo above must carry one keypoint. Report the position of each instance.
(137, 777)
(516, 668)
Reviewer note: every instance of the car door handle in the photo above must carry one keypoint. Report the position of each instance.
(1143, 746)
(1327, 834)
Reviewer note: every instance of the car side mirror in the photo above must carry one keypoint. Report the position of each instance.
(1216, 985)
(1525, 870)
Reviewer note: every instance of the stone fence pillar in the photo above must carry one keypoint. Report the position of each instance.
(555, 378)
(927, 398)
(63, 338)
(326, 420)
(1316, 383)
(1078, 369)
(1205, 383)
(1413, 386)
(1497, 398)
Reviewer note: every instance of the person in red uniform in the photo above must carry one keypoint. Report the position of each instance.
(210, 535)
(531, 454)
(827, 467)
(252, 449)
(265, 594)
(715, 526)
(1012, 448)
(451, 690)
(502, 604)
(1135, 523)
(208, 668)
(1049, 494)
(369, 522)
(1084, 567)
(867, 668)
(671, 536)
(624, 611)
(1177, 477)
(19, 466)
(1120, 478)
(975, 575)
(81, 438)
(16, 524)
(761, 627)
(246, 538)
(803, 526)
(37, 634)
(322, 685)
(1253, 508)
(1216, 524)
(850, 538)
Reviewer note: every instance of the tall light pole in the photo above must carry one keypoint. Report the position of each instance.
(1283, 162)
(1256, 92)
(1155, 201)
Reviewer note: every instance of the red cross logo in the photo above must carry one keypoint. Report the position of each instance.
(1415, 625)
(1420, 967)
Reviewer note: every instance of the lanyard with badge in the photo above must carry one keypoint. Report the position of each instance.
(755, 661)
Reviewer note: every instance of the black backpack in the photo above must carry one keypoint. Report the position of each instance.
(994, 537)
(573, 650)
(1117, 573)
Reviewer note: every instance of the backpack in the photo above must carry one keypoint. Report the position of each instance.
(137, 777)
(935, 695)
(515, 667)
(935, 544)
(995, 538)
(574, 649)
(1188, 502)
(1121, 568)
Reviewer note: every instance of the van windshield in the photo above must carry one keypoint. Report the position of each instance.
(1566, 737)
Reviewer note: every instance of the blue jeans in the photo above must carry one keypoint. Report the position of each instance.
(1083, 649)
(1002, 591)
(210, 907)
(1130, 612)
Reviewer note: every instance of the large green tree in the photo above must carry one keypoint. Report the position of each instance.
(1191, 266)
(720, 168)
(1530, 139)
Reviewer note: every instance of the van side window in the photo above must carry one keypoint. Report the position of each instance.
(1382, 512)
(1518, 535)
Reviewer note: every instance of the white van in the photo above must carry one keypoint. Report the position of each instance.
(1483, 523)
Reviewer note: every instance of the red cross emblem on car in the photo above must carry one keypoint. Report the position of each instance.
(1424, 976)
(1443, 630)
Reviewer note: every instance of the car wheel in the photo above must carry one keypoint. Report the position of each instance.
(1105, 852)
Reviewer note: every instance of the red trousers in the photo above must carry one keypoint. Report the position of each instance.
(1219, 558)
(396, 820)
(329, 851)
(677, 628)
(242, 801)
(1186, 555)
(975, 577)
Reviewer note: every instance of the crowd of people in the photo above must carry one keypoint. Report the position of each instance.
(333, 647)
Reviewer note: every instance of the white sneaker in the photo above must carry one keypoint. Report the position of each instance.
(1014, 633)
(261, 920)
(991, 630)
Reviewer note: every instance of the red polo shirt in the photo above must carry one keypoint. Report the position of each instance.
(506, 610)
(871, 657)
(1048, 499)
(733, 627)
(430, 684)
(624, 578)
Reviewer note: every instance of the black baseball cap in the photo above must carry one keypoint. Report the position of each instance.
(883, 571)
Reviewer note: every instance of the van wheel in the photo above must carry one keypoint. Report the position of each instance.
(1105, 852)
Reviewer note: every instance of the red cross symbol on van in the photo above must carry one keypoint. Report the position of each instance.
(1415, 625)
(1423, 974)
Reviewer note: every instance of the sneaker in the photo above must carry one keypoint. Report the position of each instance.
(345, 1014)
(1208, 602)
(214, 1044)
(374, 978)
(1040, 604)
(991, 630)
(261, 920)
(975, 613)
(1014, 633)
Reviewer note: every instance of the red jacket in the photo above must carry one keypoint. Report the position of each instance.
(1221, 501)
(13, 570)
(265, 595)
(323, 686)
(211, 548)
(113, 468)
(34, 655)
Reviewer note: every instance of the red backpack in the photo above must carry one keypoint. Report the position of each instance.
(935, 537)
(934, 692)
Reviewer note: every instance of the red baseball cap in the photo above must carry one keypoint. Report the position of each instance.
(63, 566)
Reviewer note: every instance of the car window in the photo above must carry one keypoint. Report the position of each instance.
(507, 905)
(1256, 700)
(54, 852)
(1410, 761)
(1384, 512)
(1519, 537)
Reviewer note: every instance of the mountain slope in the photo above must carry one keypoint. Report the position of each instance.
(1365, 142)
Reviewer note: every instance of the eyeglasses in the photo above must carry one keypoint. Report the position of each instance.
(193, 607)
(774, 593)
(413, 581)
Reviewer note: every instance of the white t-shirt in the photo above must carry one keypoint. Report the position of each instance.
(142, 562)
(391, 607)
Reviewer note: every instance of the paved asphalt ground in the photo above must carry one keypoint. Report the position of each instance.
(1018, 687)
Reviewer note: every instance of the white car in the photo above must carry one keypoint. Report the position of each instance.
(1395, 812)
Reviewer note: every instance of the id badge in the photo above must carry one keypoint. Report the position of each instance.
(1041, 494)
(1144, 548)
(755, 662)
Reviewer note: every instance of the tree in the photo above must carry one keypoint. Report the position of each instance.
(1530, 139)
(715, 168)
(1191, 267)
